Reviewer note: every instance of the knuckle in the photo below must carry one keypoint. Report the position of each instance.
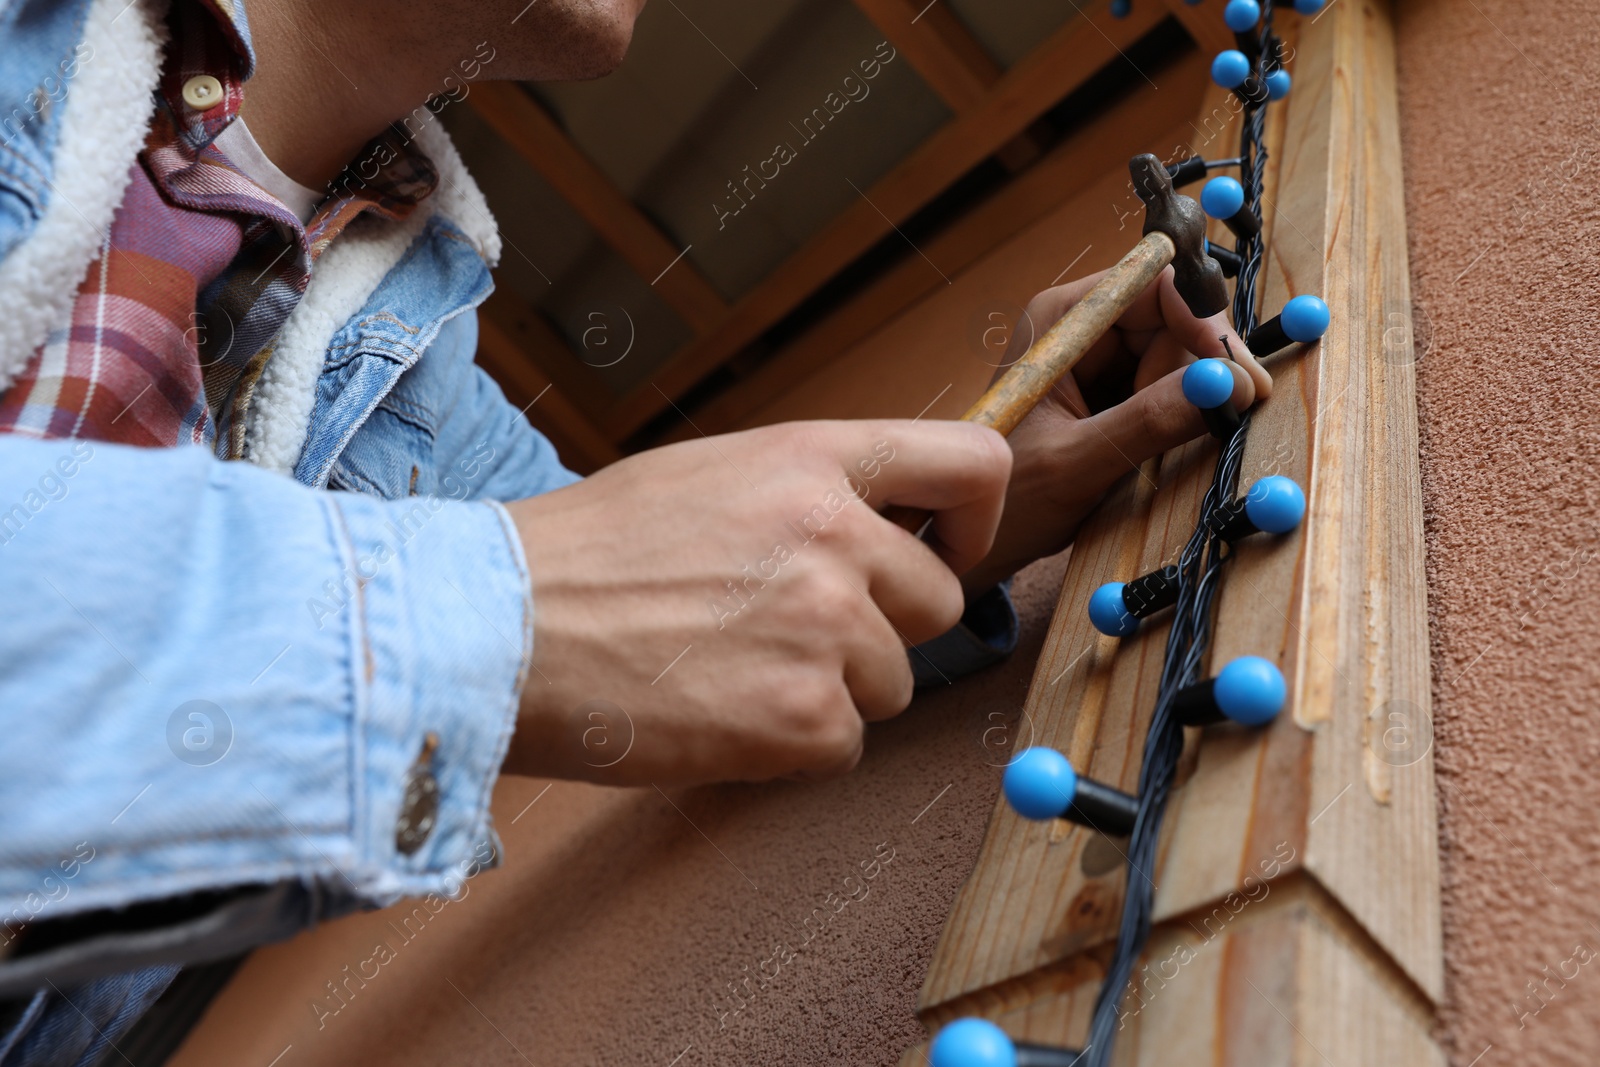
(809, 440)
(938, 605)
(838, 523)
(832, 600)
(987, 455)
(802, 709)
(904, 685)
(839, 736)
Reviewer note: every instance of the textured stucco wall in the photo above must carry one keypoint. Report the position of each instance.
(1502, 167)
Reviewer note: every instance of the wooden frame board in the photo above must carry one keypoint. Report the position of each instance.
(993, 111)
(1332, 807)
(1142, 119)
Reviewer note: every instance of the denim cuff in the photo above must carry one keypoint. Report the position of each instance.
(441, 650)
(225, 702)
(986, 634)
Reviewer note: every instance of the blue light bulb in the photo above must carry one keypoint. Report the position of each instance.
(1222, 197)
(1250, 691)
(1241, 15)
(1121, 9)
(1308, 7)
(1275, 504)
(1108, 611)
(1230, 68)
(972, 1042)
(1278, 83)
(1040, 783)
(1208, 383)
(1305, 318)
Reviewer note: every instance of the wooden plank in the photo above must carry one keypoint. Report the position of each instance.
(1063, 63)
(1364, 638)
(528, 128)
(1144, 121)
(1034, 897)
(580, 445)
(950, 60)
(943, 51)
(1204, 24)
(1340, 604)
(1284, 979)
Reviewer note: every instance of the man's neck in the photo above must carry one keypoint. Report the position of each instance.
(328, 79)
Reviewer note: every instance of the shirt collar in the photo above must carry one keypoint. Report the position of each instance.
(235, 26)
(211, 38)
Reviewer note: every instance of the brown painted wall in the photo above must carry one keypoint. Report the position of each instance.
(1502, 161)
(625, 922)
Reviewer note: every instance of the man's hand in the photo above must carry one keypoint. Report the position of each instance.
(1120, 406)
(735, 608)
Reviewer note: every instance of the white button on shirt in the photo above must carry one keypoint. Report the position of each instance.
(202, 92)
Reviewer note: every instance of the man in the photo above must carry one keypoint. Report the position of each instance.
(243, 697)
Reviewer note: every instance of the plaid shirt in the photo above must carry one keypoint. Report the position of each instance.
(174, 321)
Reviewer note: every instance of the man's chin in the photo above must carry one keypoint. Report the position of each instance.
(581, 43)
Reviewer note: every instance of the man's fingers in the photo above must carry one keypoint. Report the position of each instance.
(876, 669)
(833, 734)
(1166, 354)
(1204, 337)
(910, 584)
(1157, 312)
(1147, 424)
(1046, 307)
(957, 470)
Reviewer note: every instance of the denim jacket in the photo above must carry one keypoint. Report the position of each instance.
(217, 681)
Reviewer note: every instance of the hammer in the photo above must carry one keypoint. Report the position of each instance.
(1174, 232)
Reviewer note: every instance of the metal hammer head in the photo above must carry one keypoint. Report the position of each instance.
(1197, 276)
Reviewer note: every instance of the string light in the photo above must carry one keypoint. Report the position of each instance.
(1199, 567)
(1249, 691)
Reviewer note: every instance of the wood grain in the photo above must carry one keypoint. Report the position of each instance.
(1315, 799)
(1287, 980)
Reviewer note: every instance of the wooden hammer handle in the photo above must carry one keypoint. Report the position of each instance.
(1050, 357)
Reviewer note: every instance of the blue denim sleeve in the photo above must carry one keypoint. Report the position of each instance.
(474, 412)
(213, 677)
(986, 634)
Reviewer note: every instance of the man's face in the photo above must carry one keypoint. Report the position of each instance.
(560, 40)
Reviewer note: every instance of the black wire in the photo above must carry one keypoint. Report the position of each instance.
(1199, 576)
